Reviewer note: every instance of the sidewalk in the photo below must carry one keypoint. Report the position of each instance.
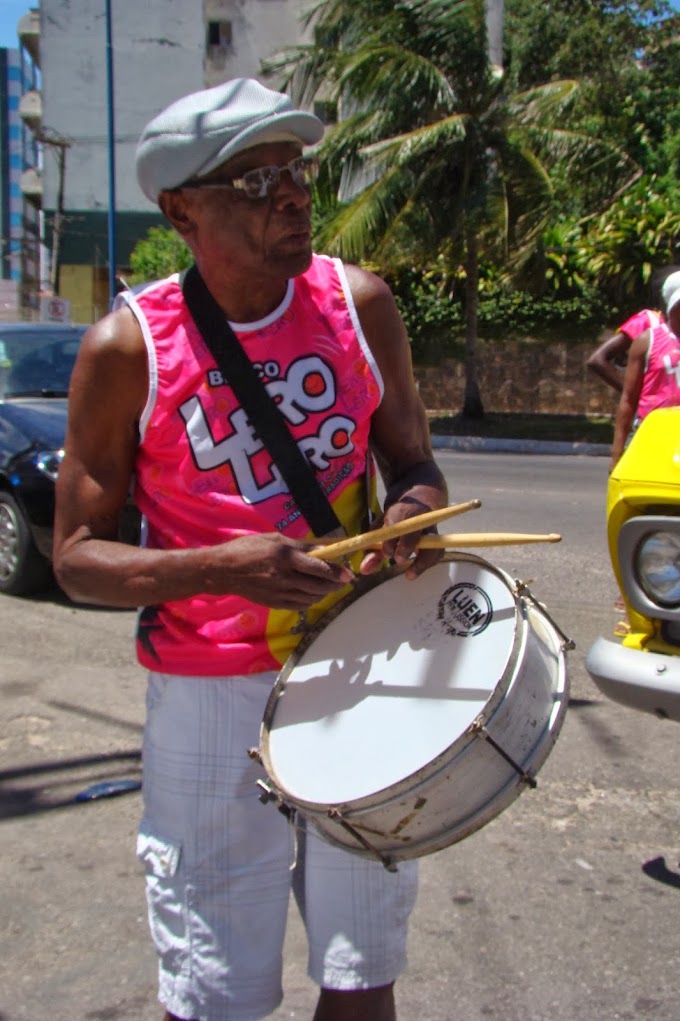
(468, 444)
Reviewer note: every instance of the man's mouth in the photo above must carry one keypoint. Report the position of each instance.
(300, 233)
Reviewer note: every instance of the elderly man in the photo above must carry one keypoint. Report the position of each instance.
(225, 567)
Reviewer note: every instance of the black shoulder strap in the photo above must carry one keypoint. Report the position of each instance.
(264, 415)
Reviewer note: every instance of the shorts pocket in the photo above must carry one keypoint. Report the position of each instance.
(166, 897)
(159, 856)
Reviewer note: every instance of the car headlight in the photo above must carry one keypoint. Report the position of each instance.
(658, 567)
(648, 556)
(48, 462)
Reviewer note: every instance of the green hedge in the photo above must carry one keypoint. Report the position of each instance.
(435, 318)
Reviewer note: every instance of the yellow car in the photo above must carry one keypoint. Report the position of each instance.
(643, 531)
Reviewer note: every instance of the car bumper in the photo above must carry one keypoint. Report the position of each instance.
(648, 681)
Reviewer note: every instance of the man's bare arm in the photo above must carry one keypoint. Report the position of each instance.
(630, 395)
(400, 434)
(603, 361)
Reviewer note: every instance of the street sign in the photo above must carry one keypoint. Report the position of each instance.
(54, 310)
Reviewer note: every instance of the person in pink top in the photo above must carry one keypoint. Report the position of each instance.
(652, 378)
(225, 570)
(608, 360)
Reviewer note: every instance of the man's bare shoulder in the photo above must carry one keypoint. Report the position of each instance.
(113, 361)
(116, 333)
(366, 286)
(640, 345)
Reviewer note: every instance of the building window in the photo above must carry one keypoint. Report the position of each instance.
(218, 37)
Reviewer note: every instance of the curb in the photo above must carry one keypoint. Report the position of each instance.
(469, 444)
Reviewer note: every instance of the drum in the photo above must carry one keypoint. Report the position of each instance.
(416, 710)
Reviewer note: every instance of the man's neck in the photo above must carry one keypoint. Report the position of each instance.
(246, 300)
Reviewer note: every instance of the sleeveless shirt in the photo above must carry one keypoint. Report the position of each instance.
(661, 380)
(203, 476)
(647, 319)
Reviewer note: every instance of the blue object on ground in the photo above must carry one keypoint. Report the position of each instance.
(108, 789)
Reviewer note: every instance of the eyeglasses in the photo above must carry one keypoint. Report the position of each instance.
(262, 182)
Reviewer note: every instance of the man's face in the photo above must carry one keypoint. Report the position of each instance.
(269, 236)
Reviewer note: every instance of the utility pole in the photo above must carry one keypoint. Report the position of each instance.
(112, 158)
(52, 140)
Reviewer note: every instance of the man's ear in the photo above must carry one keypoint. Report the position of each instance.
(173, 206)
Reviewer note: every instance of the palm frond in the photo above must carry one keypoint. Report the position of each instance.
(371, 161)
(543, 103)
(357, 228)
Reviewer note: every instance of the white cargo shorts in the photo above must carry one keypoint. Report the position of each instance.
(220, 865)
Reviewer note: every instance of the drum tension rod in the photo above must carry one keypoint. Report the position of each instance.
(524, 590)
(479, 728)
(268, 794)
(336, 816)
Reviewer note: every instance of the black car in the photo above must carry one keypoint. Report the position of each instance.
(36, 361)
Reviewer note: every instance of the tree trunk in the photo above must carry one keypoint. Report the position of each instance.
(472, 401)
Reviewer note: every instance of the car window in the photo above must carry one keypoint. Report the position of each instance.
(37, 362)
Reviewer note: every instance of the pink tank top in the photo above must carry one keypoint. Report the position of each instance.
(203, 476)
(647, 319)
(661, 381)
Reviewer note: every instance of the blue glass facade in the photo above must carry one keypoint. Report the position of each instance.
(11, 164)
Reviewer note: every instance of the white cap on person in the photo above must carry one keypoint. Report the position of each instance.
(200, 131)
(670, 291)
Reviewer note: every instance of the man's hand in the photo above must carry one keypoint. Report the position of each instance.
(419, 491)
(273, 570)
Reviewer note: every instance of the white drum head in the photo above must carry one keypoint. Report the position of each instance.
(390, 683)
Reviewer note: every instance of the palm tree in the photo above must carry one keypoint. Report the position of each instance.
(430, 153)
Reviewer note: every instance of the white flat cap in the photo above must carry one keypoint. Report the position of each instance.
(199, 132)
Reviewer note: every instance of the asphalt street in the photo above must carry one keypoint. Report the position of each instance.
(563, 908)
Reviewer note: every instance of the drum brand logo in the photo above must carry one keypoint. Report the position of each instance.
(464, 609)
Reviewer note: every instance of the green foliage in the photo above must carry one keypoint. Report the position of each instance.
(624, 246)
(625, 53)
(433, 309)
(161, 253)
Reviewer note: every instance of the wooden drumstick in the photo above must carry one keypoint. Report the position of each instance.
(343, 547)
(458, 541)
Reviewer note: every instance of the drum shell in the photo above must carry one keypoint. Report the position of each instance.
(478, 775)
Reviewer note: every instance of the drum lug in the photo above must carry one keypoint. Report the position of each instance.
(568, 644)
(389, 863)
(478, 728)
(254, 754)
(267, 794)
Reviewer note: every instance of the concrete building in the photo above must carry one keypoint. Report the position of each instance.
(159, 51)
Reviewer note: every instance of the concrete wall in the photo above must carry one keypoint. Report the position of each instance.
(259, 29)
(522, 376)
(158, 56)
